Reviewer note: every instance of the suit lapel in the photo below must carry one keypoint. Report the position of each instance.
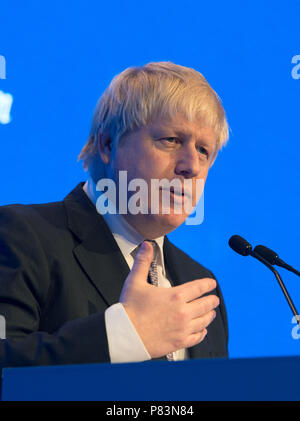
(97, 251)
(172, 266)
(177, 274)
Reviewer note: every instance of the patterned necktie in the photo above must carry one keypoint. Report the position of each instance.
(153, 278)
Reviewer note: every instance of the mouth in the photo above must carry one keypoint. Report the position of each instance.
(177, 193)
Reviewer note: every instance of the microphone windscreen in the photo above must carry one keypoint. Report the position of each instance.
(240, 245)
(269, 255)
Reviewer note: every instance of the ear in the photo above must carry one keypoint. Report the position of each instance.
(104, 144)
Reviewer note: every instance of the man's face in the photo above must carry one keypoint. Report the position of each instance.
(165, 149)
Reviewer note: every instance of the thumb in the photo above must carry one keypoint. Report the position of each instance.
(141, 265)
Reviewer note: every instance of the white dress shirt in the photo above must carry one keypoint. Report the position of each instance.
(124, 343)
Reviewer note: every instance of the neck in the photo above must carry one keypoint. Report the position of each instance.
(138, 222)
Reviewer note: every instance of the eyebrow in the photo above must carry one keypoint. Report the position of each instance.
(199, 139)
(177, 132)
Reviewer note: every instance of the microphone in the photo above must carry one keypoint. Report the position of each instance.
(241, 246)
(273, 258)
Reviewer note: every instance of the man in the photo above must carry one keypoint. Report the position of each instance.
(79, 286)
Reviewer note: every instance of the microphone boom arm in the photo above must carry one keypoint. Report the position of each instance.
(280, 281)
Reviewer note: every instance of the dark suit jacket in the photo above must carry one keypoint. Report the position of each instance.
(60, 269)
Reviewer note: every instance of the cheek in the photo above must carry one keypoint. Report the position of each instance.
(203, 173)
(122, 159)
(162, 165)
(135, 168)
(145, 163)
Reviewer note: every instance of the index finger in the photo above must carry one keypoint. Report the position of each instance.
(195, 289)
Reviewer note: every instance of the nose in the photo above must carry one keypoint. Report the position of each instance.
(188, 163)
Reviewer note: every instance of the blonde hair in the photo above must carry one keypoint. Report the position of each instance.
(138, 95)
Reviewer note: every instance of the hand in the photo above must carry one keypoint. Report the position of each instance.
(167, 319)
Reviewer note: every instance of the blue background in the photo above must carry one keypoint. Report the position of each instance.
(60, 56)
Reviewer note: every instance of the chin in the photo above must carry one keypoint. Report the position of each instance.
(169, 222)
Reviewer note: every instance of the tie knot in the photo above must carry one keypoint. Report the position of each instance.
(154, 246)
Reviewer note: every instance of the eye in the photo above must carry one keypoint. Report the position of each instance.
(171, 139)
(203, 150)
